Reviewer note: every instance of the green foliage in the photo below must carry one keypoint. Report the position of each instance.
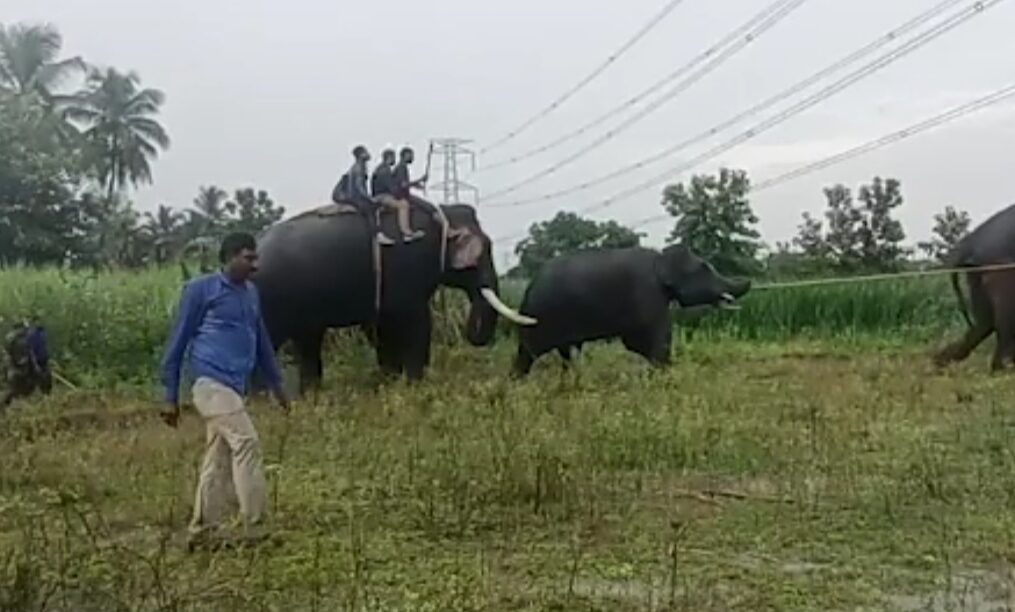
(29, 63)
(119, 126)
(714, 218)
(950, 226)
(565, 233)
(42, 202)
(252, 211)
(112, 326)
(857, 237)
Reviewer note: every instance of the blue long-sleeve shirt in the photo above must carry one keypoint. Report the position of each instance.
(222, 323)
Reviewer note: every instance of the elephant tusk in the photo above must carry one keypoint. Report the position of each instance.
(728, 302)
(504, 309)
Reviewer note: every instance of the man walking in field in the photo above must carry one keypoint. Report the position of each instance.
(220, 319)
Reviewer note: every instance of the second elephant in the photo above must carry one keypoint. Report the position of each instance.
(617, 293)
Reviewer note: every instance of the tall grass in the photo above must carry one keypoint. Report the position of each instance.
(113, 327)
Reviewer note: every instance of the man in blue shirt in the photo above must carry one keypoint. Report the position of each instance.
(220, 320)
(28, 361)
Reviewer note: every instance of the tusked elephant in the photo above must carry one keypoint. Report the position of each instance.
(991, 305)
(317, 272)
(616, 293)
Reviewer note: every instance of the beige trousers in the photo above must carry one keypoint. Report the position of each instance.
(231, 470)
(401, 208)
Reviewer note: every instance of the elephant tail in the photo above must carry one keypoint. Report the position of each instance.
(956, 285)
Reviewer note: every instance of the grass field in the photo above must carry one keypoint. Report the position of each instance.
(787, 461)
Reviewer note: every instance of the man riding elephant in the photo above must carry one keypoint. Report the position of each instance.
(383, 187)
(403, 186)
(352, 189)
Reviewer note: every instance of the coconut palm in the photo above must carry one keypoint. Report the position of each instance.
(31, 72)
(29, 64)
(119, 126)
(210, 210)
(163, 229)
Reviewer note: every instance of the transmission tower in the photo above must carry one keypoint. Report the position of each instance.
(446, 153)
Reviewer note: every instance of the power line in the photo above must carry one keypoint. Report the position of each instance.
(952, 114)
(957, 19)
(913, 44)
(726, 40)
(885, 39)
(783, 12)
(641, 33)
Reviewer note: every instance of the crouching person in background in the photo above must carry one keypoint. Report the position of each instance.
(27, 362)
(220, 318)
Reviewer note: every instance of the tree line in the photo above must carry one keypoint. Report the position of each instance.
(68, 155)
(712, 215)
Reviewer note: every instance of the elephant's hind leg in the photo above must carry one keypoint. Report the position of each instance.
(983, 324)
(308, 351)
(1001, 288)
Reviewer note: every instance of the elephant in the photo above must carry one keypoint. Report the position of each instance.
(317, 271)
(991, 293)
(599, 294)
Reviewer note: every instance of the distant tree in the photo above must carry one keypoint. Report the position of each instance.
(810, 239)
(565, 233)
(163, 230)
(209, 214)
(950, 226)
(41, 186)
(881, 235)
(714, 219)
(29, 62)
(845, 228)
(252, 211)
(856, 237)
(119, 125)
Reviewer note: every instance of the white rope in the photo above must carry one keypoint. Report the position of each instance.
(885, 276)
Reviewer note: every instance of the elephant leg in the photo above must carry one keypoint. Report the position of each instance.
(416, 355)
(982, 312)
(565, 354)
(523, 361)
(308, 351)
(388, 346)
(1003, 301)
(652, 343)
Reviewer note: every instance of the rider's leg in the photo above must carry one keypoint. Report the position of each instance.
(404, 221)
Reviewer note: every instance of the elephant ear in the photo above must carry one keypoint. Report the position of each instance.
(465, 248)
(671, 265)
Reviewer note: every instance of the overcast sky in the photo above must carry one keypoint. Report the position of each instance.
(274, 94)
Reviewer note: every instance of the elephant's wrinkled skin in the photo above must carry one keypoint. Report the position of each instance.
(616, 293)
(316, 272)
(991, 307)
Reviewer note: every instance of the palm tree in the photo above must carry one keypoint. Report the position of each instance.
(163, 228)
(210, 210)
(28, 61)
(124, 137)
(30, 70)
